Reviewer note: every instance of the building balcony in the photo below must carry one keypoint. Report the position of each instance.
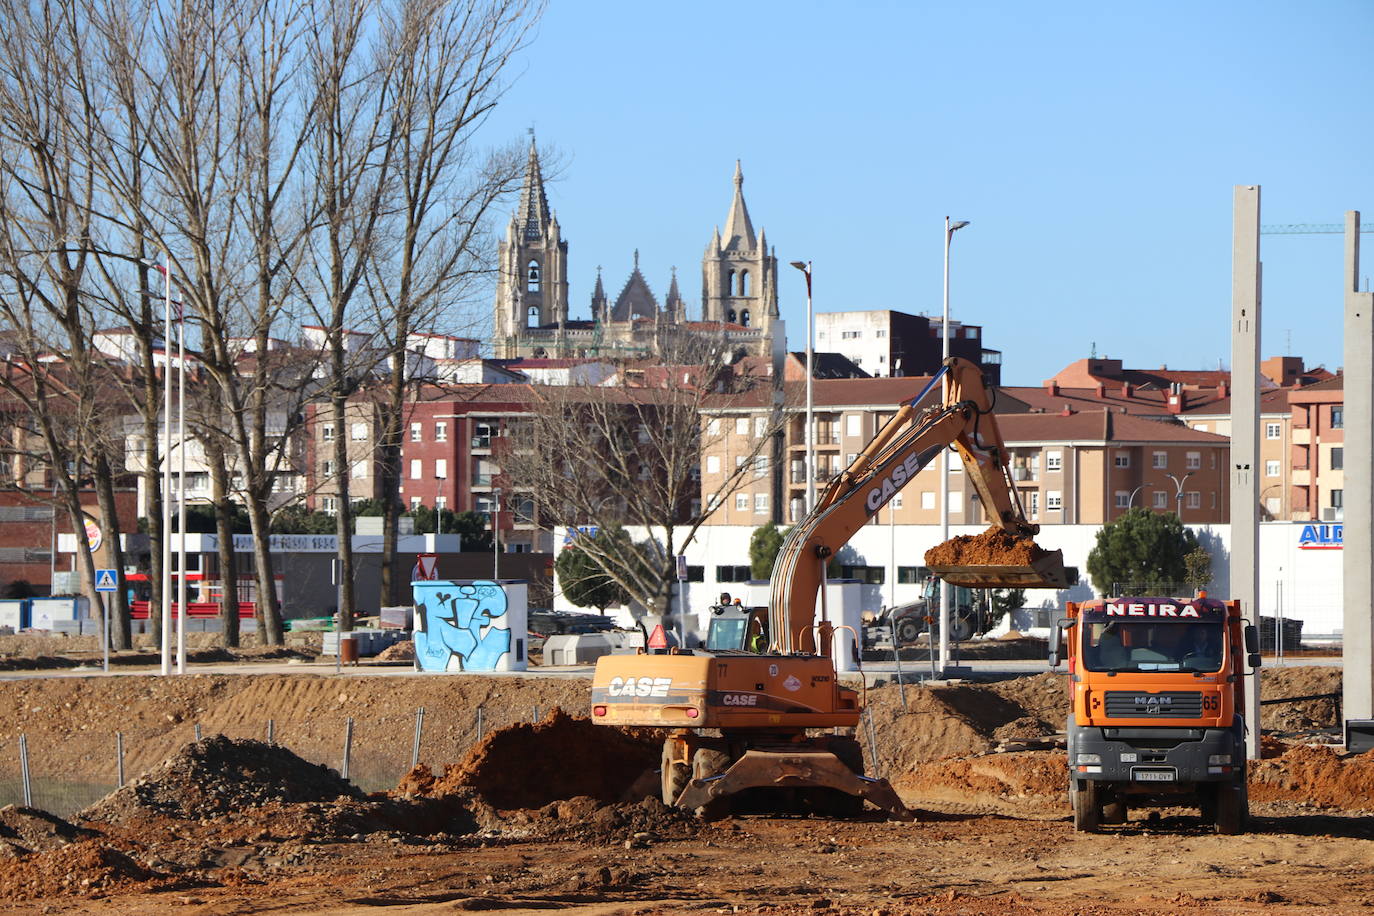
(1301, 477)
(1302, 435)
(1024, 474)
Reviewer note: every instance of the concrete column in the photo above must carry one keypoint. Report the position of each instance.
(1245, 342)
(1358, 551)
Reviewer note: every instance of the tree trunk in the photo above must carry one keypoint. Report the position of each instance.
(120, 637)
(267, 609)
(224, 533)
(344, 518)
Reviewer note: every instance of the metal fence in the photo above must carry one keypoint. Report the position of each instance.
(38, 771)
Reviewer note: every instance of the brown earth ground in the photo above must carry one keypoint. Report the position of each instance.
(553, 816)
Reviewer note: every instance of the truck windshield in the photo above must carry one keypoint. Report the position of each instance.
(726, 634)
(1153, 646)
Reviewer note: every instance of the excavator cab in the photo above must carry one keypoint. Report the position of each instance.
(735, 628)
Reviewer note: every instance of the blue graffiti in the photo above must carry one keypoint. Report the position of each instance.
(462, 626)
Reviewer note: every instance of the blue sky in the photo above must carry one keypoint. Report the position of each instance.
(1093, 146)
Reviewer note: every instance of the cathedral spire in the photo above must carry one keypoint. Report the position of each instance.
(534, 204)
(739, 231)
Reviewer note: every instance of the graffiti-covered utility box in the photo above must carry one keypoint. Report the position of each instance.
(470, 625)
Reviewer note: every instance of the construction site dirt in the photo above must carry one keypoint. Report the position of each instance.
(548, 813)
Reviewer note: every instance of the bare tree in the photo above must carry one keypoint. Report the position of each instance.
(628, 454)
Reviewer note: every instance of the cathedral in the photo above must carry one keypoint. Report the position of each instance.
(739, 291)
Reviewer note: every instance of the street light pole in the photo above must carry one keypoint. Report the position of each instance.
(166, 270)
(805, 268)
(950, 229)
(1178, 493)
(181, 490)
(1130, 500)
(496, 534)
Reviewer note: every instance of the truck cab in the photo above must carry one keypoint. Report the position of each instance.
(1158, 699)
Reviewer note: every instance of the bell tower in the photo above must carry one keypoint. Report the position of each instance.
(739, 276)
(532, 286)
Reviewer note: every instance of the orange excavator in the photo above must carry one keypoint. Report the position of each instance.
(739, 719)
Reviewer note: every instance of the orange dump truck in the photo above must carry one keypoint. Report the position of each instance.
(1158, 690)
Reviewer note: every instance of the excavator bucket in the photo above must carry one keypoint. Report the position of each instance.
(1047, 571)
(997, 558)
(803, 769)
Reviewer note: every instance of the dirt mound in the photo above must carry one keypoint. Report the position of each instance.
(530, 765)
(88, 868)
(1321, 684)
(32, 830)
(403, 651)
(1316, 776)
(994, 547)
(1006, 776)
(589, 820)
(219, 776)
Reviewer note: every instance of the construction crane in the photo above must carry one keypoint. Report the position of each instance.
(1309, 229)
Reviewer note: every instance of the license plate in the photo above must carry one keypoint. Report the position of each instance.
(1153, 775)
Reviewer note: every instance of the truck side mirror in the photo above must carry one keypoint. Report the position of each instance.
(1252, 646)
(1057, 638)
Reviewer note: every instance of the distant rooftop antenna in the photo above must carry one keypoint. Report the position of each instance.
(1093, 353)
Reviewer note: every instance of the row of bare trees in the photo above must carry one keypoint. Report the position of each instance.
(281, 163)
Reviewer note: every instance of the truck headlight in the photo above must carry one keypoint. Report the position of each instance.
(1216, 759)
(1089, 758)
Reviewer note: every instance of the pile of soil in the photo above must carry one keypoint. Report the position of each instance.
(403, 651)
(994, 547)
(530, 765)
(26, 830)
(1323, 710)
(89, 868)
(1315, 775)
(220, 776)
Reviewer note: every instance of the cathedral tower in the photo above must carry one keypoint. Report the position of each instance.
(532, 287)
(739, 276)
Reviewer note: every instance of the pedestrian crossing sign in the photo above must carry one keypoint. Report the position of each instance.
(106, 580)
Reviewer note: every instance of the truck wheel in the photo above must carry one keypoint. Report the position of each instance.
(674, 775)
(960, 629)
(708, 762)
(908, 629)
(1232, 807)
(1087, 805)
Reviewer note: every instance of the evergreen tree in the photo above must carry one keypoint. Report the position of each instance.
(1142, 552)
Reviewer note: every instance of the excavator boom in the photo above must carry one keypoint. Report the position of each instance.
(906, 444)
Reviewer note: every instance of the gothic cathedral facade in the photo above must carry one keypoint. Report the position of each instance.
(739, 291)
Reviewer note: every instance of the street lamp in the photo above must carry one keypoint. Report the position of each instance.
(1130, 500)
(166, 270)
(950, 229)
(805, 268)
(495, 534)
(1178, 492)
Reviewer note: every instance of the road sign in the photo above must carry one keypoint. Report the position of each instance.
(426, 567)
(106, 580)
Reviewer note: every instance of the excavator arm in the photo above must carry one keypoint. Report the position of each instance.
(906, 444)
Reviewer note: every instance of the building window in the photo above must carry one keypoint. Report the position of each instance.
(1159, 460)
(760, 426)
(910, 575)
(358, 432)
(417, 469)
(1194, 461)
(1122, 459)
(417, 433)
(741, 426)
(713, 428)
(742, 502)
(713, 464)
(881, 332)
(441, 468)
(415, 503)
(851, 424)
(732, 574)
(1161, 499)
(1271, 469)
(1193, 499)
(927, 499)
(1338, 459)
(760, 502)
(329, 505)
(1054, 461)
(739, 462)
(1122, 499)
(956, 503)
(896, 501)
(440, 432)
(329, 467)
(1054, 500)
(1274, 504)
(760, 465)
(1338, 418)
(1273, 430)
(359, 470)
(327, 432)
(532, 277)
(1034, 507)
(869, 575)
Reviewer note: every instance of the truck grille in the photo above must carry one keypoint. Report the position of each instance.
(1170, 704)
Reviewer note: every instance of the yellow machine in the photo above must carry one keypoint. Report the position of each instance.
(740, 719)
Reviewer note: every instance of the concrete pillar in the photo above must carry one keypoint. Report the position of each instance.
(1358, 551)
(1245, 357)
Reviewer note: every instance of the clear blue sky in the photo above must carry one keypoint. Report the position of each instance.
(1093, 146)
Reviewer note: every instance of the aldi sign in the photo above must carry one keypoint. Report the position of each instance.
(1321, 537)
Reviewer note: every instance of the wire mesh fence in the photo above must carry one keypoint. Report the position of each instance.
(374, 751)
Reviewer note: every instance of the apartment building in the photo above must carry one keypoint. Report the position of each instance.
(1275, 443)
(1318, 451)
(883, 342)
(1069, 467)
